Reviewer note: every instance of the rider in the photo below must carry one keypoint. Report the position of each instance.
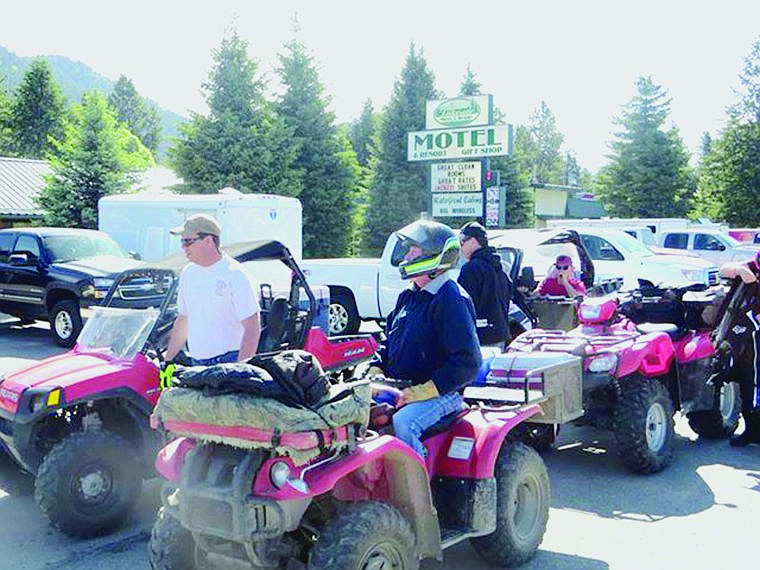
(431, 344)
(560, 280)
(743, 336)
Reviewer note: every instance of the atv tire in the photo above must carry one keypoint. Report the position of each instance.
(523, 496)
(367, 534)
(643, 425)
(171, 545)
(88, 483)
(65, 323)
(721, 422)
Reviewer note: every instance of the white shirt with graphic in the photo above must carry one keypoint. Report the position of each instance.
(215, 300)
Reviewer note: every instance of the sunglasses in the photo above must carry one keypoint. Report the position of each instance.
(562, 266)
(187, 242)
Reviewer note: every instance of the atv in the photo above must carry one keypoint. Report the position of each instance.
(79, 421)
(639, 357)
(323, 491)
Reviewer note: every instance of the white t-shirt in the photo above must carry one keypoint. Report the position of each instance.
(215, 299)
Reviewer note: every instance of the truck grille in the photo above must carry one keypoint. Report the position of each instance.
(713, 277)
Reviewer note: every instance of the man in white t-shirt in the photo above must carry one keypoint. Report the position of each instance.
(218, 306)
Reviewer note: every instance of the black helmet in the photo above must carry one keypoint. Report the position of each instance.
(439, 244)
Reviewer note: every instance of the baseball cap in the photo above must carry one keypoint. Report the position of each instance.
(198, 224)
(475, 230)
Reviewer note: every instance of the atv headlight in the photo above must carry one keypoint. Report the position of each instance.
(279, 474)
(603, 363)
(41, 401)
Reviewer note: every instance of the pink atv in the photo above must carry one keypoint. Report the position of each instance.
(79, 421)
(641, 357)
(343, 497)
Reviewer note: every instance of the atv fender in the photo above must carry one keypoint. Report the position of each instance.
(651, 355)
(171, 457)
(470, 448)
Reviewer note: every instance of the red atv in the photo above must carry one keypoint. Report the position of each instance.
(80, 421)
(640, 357)
(318, 490)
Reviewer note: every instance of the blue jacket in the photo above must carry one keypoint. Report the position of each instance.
(430, 335)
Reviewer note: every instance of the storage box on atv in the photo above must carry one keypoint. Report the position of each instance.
(555, 313)
(245, 421)
(554, 380)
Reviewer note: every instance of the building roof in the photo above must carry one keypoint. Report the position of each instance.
(20, 182)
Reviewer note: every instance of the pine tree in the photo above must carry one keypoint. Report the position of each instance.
(469, 85)
(242, 142)
(6, 134)
(37, 112)
(546, 160)
(362, 134)
(729, 181)
(141, 118)
(399, 190)
(328, 163)
(94, 159)
(649, 173)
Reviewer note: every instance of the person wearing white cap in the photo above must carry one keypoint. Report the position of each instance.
(218, 308)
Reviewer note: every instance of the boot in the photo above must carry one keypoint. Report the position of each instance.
(751, 433)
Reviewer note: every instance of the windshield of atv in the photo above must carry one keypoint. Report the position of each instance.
(120, 333)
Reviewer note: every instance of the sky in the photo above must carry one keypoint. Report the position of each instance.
(581, 57)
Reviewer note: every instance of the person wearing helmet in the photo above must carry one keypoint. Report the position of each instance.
(431, 344)
(743, 338)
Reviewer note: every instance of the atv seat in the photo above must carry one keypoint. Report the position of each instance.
(669, 328)
(276, 325)
(444, 423)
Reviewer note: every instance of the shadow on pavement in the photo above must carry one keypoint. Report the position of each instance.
(13, 480)
(585, 460)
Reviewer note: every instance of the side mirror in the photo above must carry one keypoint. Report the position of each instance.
(135, 255)
(721, 247)
(18, 259)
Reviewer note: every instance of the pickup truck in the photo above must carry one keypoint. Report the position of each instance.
(367, 289)
(53, 273)
(716, 246)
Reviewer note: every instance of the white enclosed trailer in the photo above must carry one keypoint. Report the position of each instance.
(141, 222)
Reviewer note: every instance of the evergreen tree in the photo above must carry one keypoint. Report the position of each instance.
(469, 85)
(729, 182)
(400, 190)
(6, 138)
(242, 142)
(545, 160)
(649, 173)
(362, 134)
(37, 112)
(94, 159)
(328, 163)
(142, 119)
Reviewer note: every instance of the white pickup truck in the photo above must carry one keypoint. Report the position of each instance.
(367, 289)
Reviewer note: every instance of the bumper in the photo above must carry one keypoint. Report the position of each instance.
(15, 440)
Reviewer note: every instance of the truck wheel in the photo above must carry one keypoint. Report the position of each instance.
(65, 323)
(171, 545)
(523, 496)
(722, 421)
(343, 316)
(88, 483)
(643, 425)
(365, 536)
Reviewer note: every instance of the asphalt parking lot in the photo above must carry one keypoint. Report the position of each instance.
(700, 512)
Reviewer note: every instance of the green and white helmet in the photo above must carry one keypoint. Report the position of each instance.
(439, 244)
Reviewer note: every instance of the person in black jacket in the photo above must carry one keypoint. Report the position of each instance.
(487, 284)
(431, 345)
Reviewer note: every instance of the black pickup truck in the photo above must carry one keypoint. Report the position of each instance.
(52, 273)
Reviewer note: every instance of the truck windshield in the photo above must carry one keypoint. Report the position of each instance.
(63, 248)
(627, 242)
(118, 332)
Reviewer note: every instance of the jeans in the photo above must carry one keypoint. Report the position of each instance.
(412, 420)
(230, 356)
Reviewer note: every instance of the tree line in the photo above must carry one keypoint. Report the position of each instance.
(354, 180)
